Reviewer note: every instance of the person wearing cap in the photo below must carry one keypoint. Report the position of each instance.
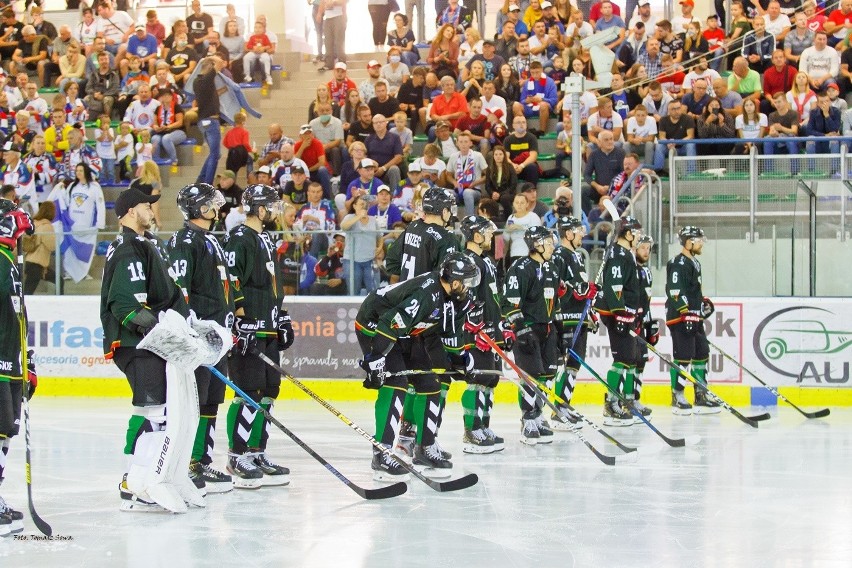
(367, 88)
(141, 44)
(340, 84)
(81, 208)
(681, 23)
(263, 176)
(295, 191)
(551, 18)
(15, 172)
(490, 61)
(311, 151)
(820, 62)
(387, 214)
(30, 56)
(365, 184)
(644, 15)
(137, 287)
(514, 15)
(404, 194)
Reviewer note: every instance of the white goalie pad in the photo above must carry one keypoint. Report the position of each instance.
(184, 345)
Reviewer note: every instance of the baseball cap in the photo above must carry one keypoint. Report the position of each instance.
(687, 2)
(831, 85)
(514, 8)
(139, 27)
(297, 170)
(340, 65)
(382, 187)
(415, 167)
(305, 128)
(373, 63)
(443, 124)
(644, 2)
(10, 146)
(488, 42)
(228, 174)
(130, 198)
(338, 234)
(545, 5)
(368, 163)
(264, 170)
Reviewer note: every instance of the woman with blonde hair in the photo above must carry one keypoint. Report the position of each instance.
(801, 97)
(472, 45)
(444, 52)
(323, 96)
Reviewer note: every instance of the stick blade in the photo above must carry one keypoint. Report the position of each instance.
(468, 480)
(760, 417)
(386, 492)
(818, 414)
(610, 208)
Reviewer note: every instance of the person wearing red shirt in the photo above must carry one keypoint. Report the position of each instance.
(671, 76)
(258, 50)
(449, 105)
(839, 23)
(777, 78)
(476, 124)
(311, 151)
(340, 86)
(715, 37)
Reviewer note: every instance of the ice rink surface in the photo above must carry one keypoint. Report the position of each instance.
(777, 496)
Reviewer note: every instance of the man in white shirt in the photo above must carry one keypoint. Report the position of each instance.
(820, 62)
(604, 119)
(493, 105)
(641, 133)
(578, 28)
(777, 24)
(700, 71)
(115, 26)
(643, 14)
(680, 23)
(282, 168)
(143, 111)
(466, 172)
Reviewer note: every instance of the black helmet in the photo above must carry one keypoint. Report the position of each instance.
(473, 224)
(259, 194)
(191, 198)
(567, 223)
(690, 232)
(436, 199)
(535, 235)
(458, 267)
(628, 224)
(6, 206)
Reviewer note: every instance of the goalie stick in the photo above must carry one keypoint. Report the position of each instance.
(818, 414)
(464, 482)
(370, 494)
(629, 457)
(40, 523)
(750, 420)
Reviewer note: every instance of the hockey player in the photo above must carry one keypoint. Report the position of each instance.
(478, 398)
(390, 325)
(421, 248)
(137, 287)
(13, 223)
(686, 310)
(650, 326)
(263, 324)
(577, 293)
(199, 266)
(619, 307)
(531, 305)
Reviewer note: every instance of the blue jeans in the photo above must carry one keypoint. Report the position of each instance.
(361, 276)
(792, 148)
(167, 143)
(410, 58)
(661, 153)
(823, 147)
(213, 136)
(470, 197)
(107, 171)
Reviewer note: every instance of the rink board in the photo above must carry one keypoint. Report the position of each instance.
(802, 345)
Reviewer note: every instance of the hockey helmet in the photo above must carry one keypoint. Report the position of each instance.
(14, 222)
(458, 267)
(192, 198)
(645, 239)
(259, 194)
(537, 235)
(473, 224)
(437, 199)
(567, 223)
(690, 232)
(6, 206)
(628, 225)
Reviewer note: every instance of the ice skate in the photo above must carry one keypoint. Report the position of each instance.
(273, 474)
(214, 481)
(444, 453)
(15, 518)
(499, 443)
(529, 430)
(614, 414)
(404, 447)
(5, 525)
(386, 468)
(245, 473)
(544, 432)
(476, 442)
(429, 461)
(137, 503)
(705, 404)
(680, 406)
(566, 422)
(633, 403)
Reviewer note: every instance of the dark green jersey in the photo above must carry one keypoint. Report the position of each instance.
(412, 308)
(621, 285)
(572, 271)
(647, 281)
(419, 249)
(487, 292)
(683, 286)
(198, 262)
(10, 312)
(529, 292)
(251, 260)
(136, 277)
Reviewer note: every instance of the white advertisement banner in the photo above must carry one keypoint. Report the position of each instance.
(785, 341)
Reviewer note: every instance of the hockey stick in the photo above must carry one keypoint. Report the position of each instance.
(40, 523)
(818, 414)
(370, 494)
(530, 381)
(673, 442)
(443, 487)
(442, 372)
(751, 421)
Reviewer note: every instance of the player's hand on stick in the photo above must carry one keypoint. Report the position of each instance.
(508, 335)
(652, 332)
(375, 368)
(245, 330)
(32, 377)
(707, 307)
(285, 330)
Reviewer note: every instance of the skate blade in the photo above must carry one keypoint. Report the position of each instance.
(5, 531)
(433, 473)
(384, 477)
(617, 422)
(529, 441)
(132, 506)
(275, 480)
(474, 449)
(565, 427)
(16, 527)
(706, 410)
(681, 411)
(248, 484)
(220, 487)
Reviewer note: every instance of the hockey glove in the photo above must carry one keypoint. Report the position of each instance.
(585, 290)
(375, 368)
(525, 339)
(624, 322)
(474, 321)
(593, 323)
(563, 289)
(691, 320)
(508, 335)
(707, 307)
(142, 322)
(13, 225)
(652, 331)
(285, 330)
(245, 340)
(32, 377)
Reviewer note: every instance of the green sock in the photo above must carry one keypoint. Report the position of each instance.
(615, 375)
(233, 412)
(135, 428)
(383, 408)
(420, 402)
(630, 374)
(675, 377)
(200, 444)
(468, 400)
(258, 424)
(699, 371)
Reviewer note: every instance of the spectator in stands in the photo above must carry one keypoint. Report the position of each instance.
(715, 37)
(501, 179)
(657, 101)
(234, 43)
(149, 182)
(431, 164)
(383, 103)
(340, 85)
(141, 44)
(750, 124)
(604, 163)
(35, 105)
(271, 150)
(410, 95)
(406, 137)
(476, 125)
(198, 23)
(523, 151)
(455, 15)
(800, 38)
(116, 26)
(507, 84)
(394, 72)
(330, 270)
(92, 60)
(364, 244)
(154, 27)
(367, 88)
(518, 222)
(758, 46)
(102, 87)
(385, 148)
(58, 48)
(633, 44)
(471, 46)
(472, 87)
(515, 17)
(444, 139)
(56, 136)
(680, 23)
(676, 125)
(608, 20)
(329, 130)
(348, 113)
(777, 78)
(79, 223)
(207, 98)
(43, 166)
(316, 214)
(30, 56)
(334, 31)
(295, 190)
(833, 91)
(776, 23)
(506, 44)
(361, 129)
(214, 46)
(820, 62)
(168, 128)
(825, 121)
(39, 248)
(491, 62)
(42, 27)
(11, 34)
(701, 70)
(801, 97)
(715, 123)
(444, 53)
(105, 148)
(72, 66)
(312, 152)
(641, 133)
(782, 123)
(816, 20)
(493, 108)
(465, 172)
(231, 16)
(403, 38)
(604, 120)
(670, 42)
(142, 112)
(386, 213)
(323, 96)
(744, 80)
(86, 31)
(282, 168)
(182, 59)
(732, 102)
(16, 173)
(538, 98)
(259, 52)
(651, 59)
(695, 101)
(839, 22)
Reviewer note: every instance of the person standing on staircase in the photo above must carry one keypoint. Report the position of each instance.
(207, 97)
